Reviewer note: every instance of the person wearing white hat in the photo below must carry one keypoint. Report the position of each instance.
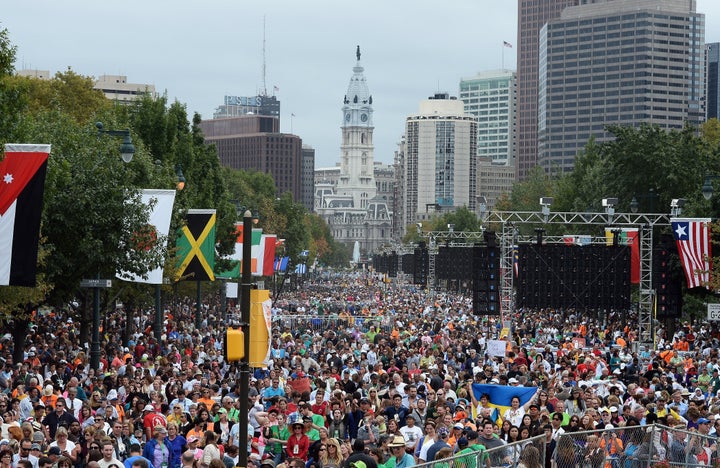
(151, 420)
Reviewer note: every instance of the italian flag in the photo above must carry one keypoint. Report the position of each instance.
(22, 183)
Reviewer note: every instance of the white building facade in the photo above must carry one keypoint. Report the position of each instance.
(349, 203)
(439, 160)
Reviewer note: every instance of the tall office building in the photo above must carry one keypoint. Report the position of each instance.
(254, 142)
(712, 103)
(439, 160)
(532, 16)
(490, 97)
(308, 169)
(624, 62)
(350, 205)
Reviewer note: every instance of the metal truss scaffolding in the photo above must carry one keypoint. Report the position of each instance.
(509, 238)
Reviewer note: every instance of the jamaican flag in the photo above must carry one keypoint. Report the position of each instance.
(196, 246)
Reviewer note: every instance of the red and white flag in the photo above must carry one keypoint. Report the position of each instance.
(266, 256)
(22, 183)
(692, 236)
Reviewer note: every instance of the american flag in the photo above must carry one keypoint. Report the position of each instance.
(692, 236)
(507, 44)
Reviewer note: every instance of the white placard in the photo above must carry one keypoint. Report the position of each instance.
(713, 311)
(232, 290)
(496, 348)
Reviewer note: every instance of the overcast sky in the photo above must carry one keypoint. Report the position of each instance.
(201, 51)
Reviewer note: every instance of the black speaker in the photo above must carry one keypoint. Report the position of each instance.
(486, 279)
(392, 265)
(667, 281)
(421, 264)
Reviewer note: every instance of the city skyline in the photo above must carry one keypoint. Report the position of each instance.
(409, 50)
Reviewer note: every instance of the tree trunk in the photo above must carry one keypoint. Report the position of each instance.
(86, 319)
(19, 333)
(129, 319)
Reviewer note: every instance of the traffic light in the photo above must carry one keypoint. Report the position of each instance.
(235, 343)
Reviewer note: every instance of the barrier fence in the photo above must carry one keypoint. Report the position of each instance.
(319, 323)
(653, 446)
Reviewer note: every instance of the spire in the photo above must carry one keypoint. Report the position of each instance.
(358, 92)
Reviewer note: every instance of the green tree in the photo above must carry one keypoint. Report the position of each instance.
(710, 132)
(462, 219)
(7, 54)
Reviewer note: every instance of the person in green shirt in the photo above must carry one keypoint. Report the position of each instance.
(471, 451)
(715, 382)
(704, 379)
(317, 420)
(278, 436)
(312, 433)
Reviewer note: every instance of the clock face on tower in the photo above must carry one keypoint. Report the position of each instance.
(347, 117)
(363, 117)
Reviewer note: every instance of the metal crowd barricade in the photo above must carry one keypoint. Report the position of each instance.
(620, 447)
(507, 455)
(634, 447)
(320, 323)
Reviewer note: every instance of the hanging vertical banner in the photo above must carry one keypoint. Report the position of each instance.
(161, 202)
(196, 246)
(260, 327)
(692, 236)
(22, 183)
(266, 255)
(628, 236)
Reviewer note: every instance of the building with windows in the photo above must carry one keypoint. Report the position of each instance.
(308, 169)
(437, 163)
(712, 103)
(532, 16)
(236, 106)
(254, 142)
(490, 97)
(114, 87)
(622, 62)
(350, 203)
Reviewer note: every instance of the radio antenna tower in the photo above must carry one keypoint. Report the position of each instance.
(264, 89)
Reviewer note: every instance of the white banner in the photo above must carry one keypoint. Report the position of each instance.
(160, 216)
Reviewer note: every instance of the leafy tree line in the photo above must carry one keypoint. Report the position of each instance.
(91, 205)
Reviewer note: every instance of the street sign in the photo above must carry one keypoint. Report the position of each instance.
(96, 283)
(713, 311)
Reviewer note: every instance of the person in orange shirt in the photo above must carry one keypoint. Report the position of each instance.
(112, 398)
(206, 398)
(667, 354)
(49, 398)
(682, 345)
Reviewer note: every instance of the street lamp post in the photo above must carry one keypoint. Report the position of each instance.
(127, 150)
(707, 188)
(246, 286)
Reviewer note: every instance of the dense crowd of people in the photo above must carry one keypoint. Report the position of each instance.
(362, 374)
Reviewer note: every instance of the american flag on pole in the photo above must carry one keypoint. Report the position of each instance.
(692, 236)
(507, 44)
